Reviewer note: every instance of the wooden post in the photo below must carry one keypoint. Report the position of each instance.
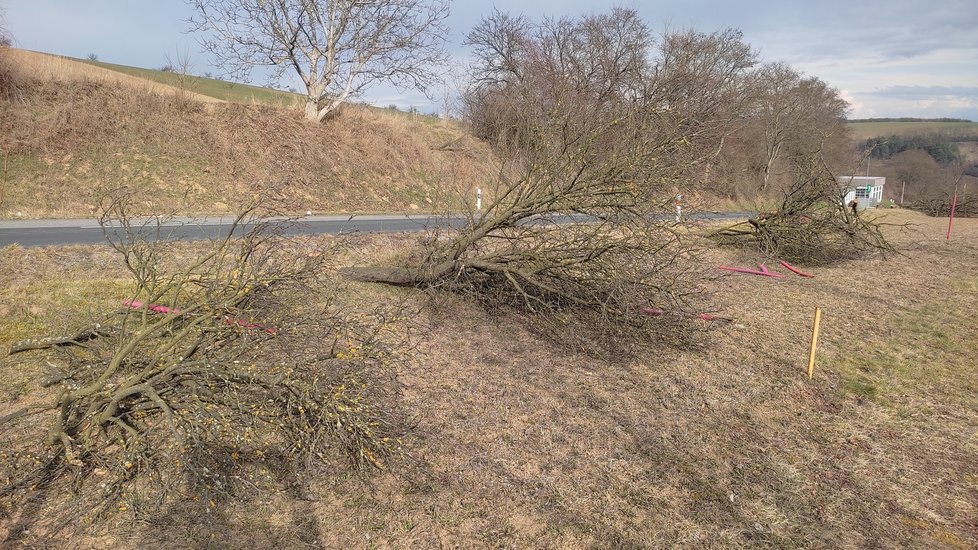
(811, 353)
(903, 191)
(950, 219)
(3, 180)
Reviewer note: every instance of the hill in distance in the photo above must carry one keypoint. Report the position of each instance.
(863, 129)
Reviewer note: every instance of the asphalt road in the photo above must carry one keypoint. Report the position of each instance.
(29, 233)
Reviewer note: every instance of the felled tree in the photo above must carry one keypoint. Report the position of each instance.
(812, 225)
(225, 367)
(930, 187)
(598, 134)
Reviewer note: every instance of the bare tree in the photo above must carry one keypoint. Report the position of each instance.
(777, 110)
(706, 77)
(336, 47)
(598, 59)
(796, 115)
(703, 74)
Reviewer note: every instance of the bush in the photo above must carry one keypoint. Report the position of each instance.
(229, 370)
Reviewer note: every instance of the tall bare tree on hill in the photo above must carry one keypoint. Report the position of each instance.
(797, 115)
(336, 47)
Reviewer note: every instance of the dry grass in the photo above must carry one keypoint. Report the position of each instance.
(521, 444)
(37, 65)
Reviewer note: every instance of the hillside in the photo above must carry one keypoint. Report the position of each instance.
(42, 66)
(74, 129)
(209, 87)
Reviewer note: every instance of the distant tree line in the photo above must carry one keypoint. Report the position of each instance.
(765, 119)
(910, 119)
(938, 146)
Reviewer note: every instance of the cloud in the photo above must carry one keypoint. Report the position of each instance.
(927, 92)
(881, 31)
(918, 101)
(857, 109)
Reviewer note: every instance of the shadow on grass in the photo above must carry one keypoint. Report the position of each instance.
(191, 524)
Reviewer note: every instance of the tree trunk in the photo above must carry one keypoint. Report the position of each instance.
(399, 275)
(392, 275)
(312, 109)
(772, 155)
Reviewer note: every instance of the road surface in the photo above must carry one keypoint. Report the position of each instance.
(29, 233)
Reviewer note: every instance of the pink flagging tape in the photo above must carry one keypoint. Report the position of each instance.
(763, 272)
(796, 271)
(136, 304)
(155, 308)
(245, 324)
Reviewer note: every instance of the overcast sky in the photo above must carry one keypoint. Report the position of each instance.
(888, 58)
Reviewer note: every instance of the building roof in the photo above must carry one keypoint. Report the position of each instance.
(862, 181)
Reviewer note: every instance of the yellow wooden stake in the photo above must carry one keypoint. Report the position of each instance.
(811, 354)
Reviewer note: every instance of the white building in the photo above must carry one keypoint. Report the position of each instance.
(867, 191)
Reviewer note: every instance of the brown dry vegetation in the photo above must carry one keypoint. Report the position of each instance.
(62, 69)
(71, 135)
(523, 444)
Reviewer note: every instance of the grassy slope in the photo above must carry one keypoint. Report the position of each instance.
(78, 130)
(866, 130)
(525, 445)
(216, 88)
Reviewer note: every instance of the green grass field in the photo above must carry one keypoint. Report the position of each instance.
(233, 91)
(866, 130)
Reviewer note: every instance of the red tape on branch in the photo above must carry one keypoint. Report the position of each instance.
(763, 272)
(796, 271)
(136, 304)
(155, 308)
